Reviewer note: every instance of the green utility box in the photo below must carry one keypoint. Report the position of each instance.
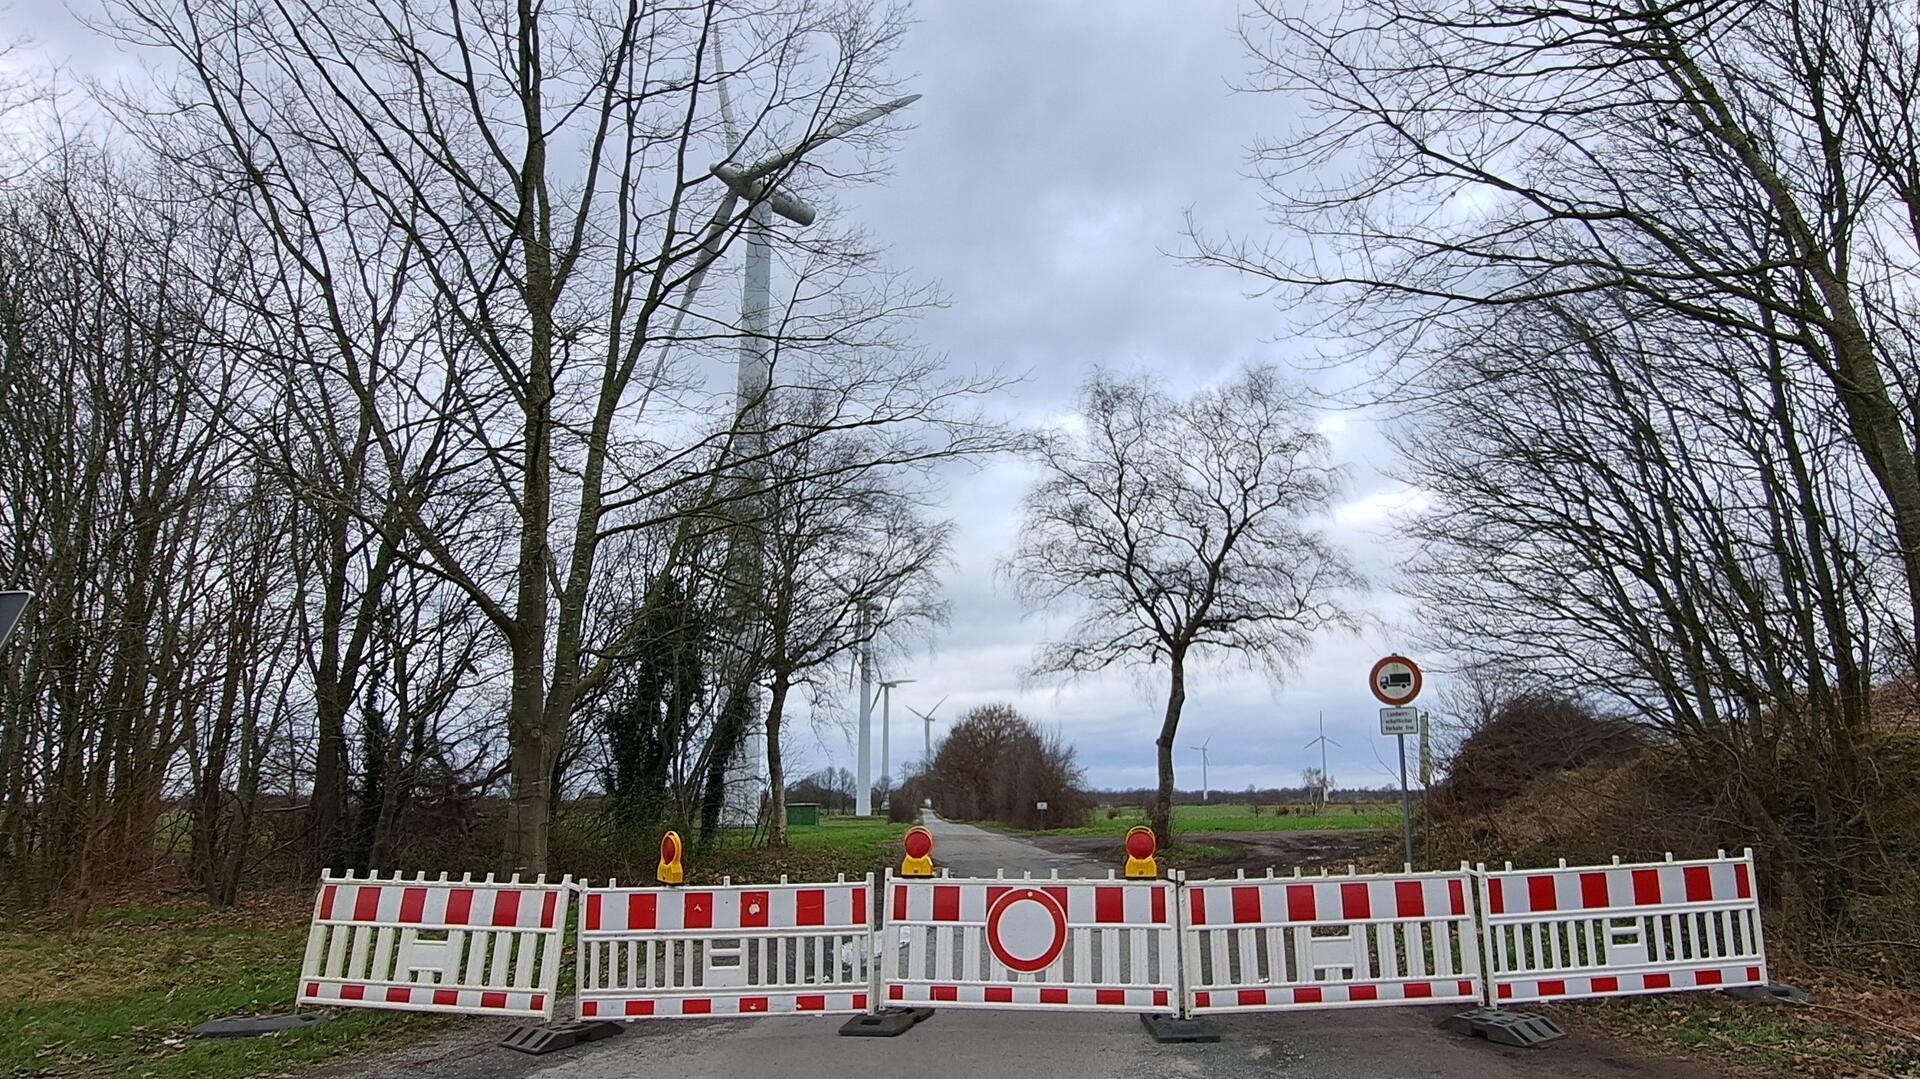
(807, 813)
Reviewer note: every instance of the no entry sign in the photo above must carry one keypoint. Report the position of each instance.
(1027, 929)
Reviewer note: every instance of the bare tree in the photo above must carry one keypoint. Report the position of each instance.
(1675, 519)
(1749, 166)
(543, 174)
(837, 540)
(1176, 528)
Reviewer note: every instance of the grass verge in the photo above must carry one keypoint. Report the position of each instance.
(117, 997)
(1852, 1031)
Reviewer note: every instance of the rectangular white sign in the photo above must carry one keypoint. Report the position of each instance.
(1399, 721)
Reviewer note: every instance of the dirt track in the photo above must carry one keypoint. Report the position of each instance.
(1311, 851)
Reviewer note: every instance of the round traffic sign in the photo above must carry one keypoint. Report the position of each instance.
(1395, 680)
(1026, 929)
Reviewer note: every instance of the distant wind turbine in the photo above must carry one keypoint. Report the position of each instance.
(926, 719)
(1202, 749)
(1323, 741)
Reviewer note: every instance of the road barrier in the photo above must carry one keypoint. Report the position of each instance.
(1287, 943)
(1147, 945)
(1019, 943)
(731, 950)
(471, 947)
(1619, 930)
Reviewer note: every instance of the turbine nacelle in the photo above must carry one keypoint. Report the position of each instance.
(751, 183)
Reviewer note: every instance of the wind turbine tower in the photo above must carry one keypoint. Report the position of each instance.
(1323, 742)
(926, 732)
(1202, 749)
(886, 736)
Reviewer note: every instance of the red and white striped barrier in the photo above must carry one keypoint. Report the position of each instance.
(731, 950)
(1620, 930)
(1285, 943)
(1005, 943)
(472, 947)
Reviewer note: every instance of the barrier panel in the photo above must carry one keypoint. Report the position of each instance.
(1287, 943)
(731, 950)
(1018, 943)
(470, 947)
(1618, 930)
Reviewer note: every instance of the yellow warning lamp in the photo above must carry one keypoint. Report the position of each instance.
(670, 871)
(919, 848)
(1140, 848)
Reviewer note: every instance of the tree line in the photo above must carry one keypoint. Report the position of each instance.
(1637, 280)
(374, 445)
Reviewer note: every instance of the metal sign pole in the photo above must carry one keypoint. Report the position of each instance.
(1406, 810)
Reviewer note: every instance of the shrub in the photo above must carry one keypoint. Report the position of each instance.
(996, 765)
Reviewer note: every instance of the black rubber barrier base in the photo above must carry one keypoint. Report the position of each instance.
(253, 1026)
(885, 1023)
(1524, 1030)
(1172, 1028)
(1770, 993)
(536, 1039)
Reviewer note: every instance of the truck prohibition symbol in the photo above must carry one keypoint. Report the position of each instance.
(1395, 680)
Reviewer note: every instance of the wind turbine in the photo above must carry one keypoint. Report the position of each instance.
(754, 378)
(886, 735)
(926, 719)
(1202, 748)
(863, 798)
(1323, 742)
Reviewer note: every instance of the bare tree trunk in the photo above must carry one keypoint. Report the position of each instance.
(776, 768)
(1162, 816)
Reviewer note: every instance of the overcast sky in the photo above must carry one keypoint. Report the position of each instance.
(1043, 186)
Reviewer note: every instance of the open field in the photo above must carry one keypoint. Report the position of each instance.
(1240, 818)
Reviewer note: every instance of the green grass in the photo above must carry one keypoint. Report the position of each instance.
(838, 844)
(117, 998)
(1240, 818)
(1796, 1041)
(858, 839)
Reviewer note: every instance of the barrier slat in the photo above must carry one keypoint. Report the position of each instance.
(1042, 943)
(1284, 943)
(732, 950)
(412, 944)
(1622, 929)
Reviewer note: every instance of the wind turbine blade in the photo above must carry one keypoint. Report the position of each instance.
(828, 134)
(726, 99)
(709, 253)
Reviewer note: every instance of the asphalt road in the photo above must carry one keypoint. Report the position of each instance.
(1383, 1043)
(967, 851)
